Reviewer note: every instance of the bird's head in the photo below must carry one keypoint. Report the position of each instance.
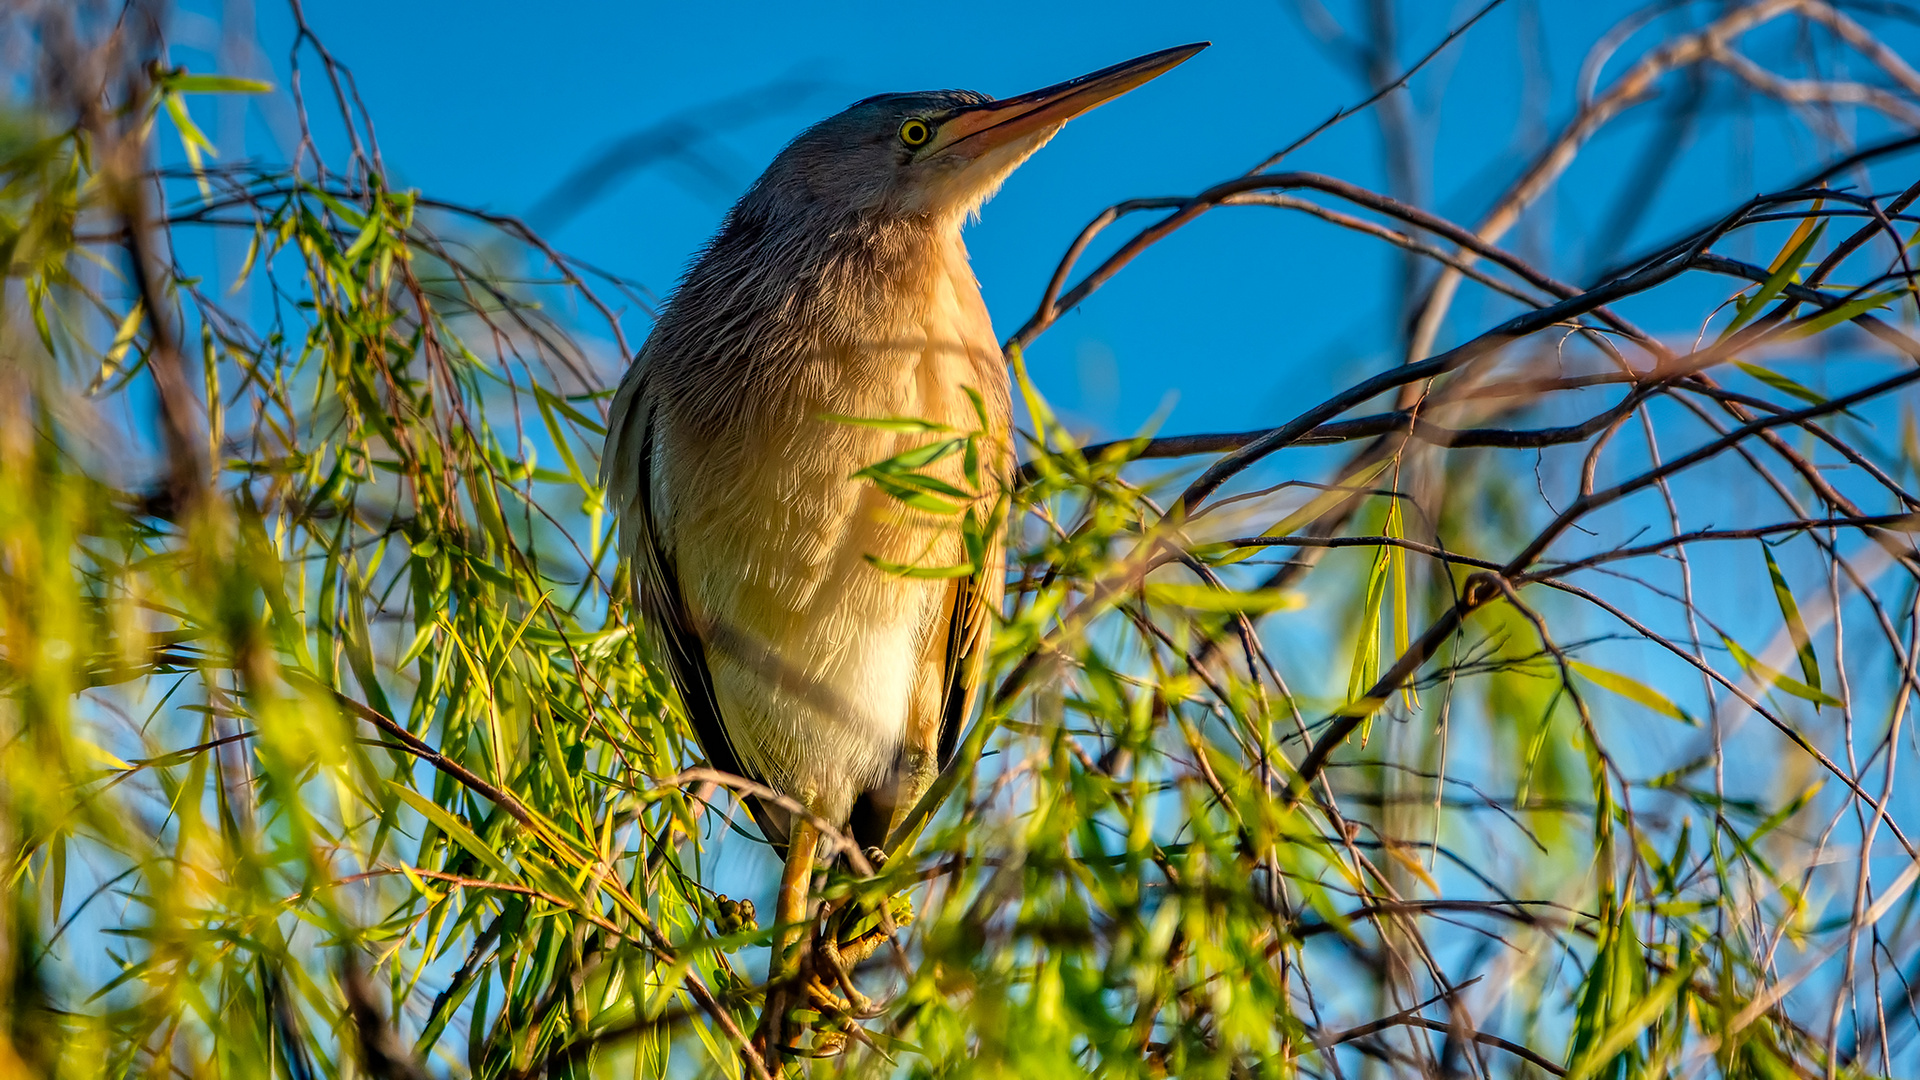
(936, 154)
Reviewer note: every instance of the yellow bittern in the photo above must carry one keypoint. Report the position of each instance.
(837, 287)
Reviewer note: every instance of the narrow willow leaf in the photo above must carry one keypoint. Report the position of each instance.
(1796, 626)
(1210, 599)
(421, 639)
(560, 404)
(979, 406)
(123, 337)
(1781, 383)
(1785, 270)
(192, 139)
(1766, 676)
(1639, 1011)
(215, 84)
(905, 424)
(1632, 689)
(1402, 613)
(192, 142)
(1835, 316)
(359, 649)
(369, 233)
(455, 829)
(1045, 428)
(1785, 813)
(913, 481)
(1366, 653)
(1413, 866)
(917, 458)
(974, 536)
(912, 494)
(958, 570)
(1316, 507)
(1611, 988)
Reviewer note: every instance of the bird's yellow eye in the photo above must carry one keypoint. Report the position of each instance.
(915, 132)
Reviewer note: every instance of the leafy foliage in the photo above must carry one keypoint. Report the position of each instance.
(328, 746)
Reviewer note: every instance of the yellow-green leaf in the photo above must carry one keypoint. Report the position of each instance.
(1781, 382)
(1785, 269)
(1766, 676)
(1796, 626)
(905, 424)
(455, 830)
(957, 570)
(1632, 689)
(1366, 653)
(1317, 506)
(1835, 316)
(215, 84)
(1402, 613)
(1211, 599)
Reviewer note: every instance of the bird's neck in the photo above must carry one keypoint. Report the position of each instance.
(896, 266)
(810, 315)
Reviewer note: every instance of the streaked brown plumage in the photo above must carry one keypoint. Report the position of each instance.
(838, 285)
(823, 676)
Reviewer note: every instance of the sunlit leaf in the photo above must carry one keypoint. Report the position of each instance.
(1766, 676)
(454, 828)
(1632, 689)
(1209, 598)
(1796, 626)
(1784, 271)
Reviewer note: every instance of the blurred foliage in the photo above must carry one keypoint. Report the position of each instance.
(327, 747)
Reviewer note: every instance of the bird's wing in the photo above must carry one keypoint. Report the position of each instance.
(975, 600)
(627, 474)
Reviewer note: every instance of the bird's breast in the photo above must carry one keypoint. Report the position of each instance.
(818, 655)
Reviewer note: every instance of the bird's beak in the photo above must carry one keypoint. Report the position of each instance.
(983, 128)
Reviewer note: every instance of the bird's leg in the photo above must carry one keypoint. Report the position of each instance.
(791, 907)
(791, 936)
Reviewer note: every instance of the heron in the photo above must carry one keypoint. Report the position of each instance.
(837, 288)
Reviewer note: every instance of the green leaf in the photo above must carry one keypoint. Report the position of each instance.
(215, 84)
(1316, 507)
(421, 640)
(192, 141)
(1634, 1015)
(1785, 813)
(904, 424)
(917, 458)
(1632, 689)
(1835, 316)
(913, 481)
(1766, 676)
(1210, 599)
(454, 828)
(1366, 654)
(1785, 269)
(1781, 383)
(371, 231)
(958, 570)
(913, 495)
(1402, 612)
(1796, 627)
(560, 403)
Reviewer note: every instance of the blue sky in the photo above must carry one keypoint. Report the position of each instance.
(494, 103)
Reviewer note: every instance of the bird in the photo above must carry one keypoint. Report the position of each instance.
(838, 290)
